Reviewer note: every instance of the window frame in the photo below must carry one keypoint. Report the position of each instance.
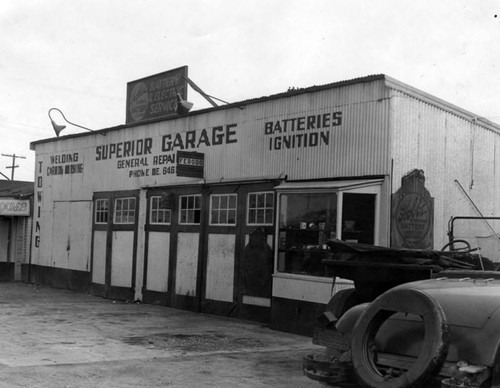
(273, 208)
(98, 211)
(339, 188)
(194, 209)
(227, 209)
(163, 211)
(129, 199)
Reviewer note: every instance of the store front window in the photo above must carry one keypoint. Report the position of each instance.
(308, 220)
(358, 218)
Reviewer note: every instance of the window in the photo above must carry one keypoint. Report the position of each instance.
(160, 211)
(223, 209)
(358, 218)
(308, 220)
(190, 209)
(101, 211)
(260, 208)
(125, 210)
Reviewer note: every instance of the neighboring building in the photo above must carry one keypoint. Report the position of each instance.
(228, 210)
(16, 199)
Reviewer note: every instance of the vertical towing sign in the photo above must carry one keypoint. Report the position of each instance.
(155, 96)
(190, 164)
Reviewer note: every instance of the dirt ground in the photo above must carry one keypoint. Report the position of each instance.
(56, 338)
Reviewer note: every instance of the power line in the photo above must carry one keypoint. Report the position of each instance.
(13, 166)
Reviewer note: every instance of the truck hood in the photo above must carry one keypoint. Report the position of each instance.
(466, 302)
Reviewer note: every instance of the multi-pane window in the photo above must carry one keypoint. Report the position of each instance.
(190, 209)
(260, 208)
(125, 210)
(160, 211)
(308, 221)
(223, 209)
(101, 211)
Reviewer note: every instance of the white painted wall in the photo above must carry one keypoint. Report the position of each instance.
(71, 235)
(122, 258)
(187, 263)
(449, 148)
(307, 289)
(236, 145)
(99, 255)
(220, 267)
(158, 260)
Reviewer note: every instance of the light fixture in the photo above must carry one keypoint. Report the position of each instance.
(183, 107)
(58, 128)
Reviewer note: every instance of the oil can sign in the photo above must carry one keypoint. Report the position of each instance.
(155, 96)
(412, 213)
(190, 164)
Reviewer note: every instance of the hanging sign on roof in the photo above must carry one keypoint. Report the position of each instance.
(155, 96)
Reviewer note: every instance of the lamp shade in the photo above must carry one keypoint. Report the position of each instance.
(57, 128)
(183, 107)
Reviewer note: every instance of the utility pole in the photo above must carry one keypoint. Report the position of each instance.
(14, 156)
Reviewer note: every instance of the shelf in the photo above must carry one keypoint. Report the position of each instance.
(304, 250)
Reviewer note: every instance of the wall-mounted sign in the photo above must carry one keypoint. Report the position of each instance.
(14, 207)
(155, 96)
(412, 214)
(190, 164)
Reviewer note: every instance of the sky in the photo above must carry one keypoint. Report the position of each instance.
(79, 55)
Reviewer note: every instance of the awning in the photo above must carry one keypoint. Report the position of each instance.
(329, 185)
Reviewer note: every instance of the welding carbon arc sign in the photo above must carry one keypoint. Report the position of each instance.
(190, 164)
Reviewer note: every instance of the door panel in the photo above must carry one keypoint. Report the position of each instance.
(99, 258)
(114, 244)
(158, 261)
(257, 268)
(122, 259)
(206, 256)
(256, 257)
(220, 267)
(70, 235)
(187, 263)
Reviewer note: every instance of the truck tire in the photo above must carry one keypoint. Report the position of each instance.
(432, 353)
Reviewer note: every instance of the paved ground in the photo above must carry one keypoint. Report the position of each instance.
(55, 338)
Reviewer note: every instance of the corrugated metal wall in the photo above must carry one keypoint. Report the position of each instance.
(453, 152)
(235, 143)
(357, 147)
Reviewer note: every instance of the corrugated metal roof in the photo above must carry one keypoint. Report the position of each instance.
(16, 188)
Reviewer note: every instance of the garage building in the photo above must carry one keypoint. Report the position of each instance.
(228, 210)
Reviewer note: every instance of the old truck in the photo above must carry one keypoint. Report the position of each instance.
(415, 318)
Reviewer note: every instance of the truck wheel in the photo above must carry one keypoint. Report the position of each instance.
(432, 352)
